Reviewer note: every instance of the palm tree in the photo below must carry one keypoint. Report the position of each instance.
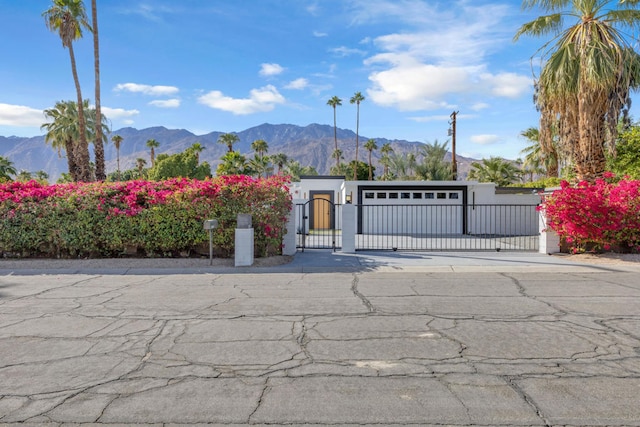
(260, 147)
(586, 76)
(42, 176)
(386, 151)
(536, 157)
(370, 145)
(357, 98)
(196, 148)
(140, 164)
(6, 169)
(261, 165)
(61, 131)
(68, 18)
(335, 102)
(24, 176)
(117, 140)
(433, 166)
(495, 169)
(337, 153)
(153, 144)
(233, 163)
(280, 159)
(98, 145)
(228, 139)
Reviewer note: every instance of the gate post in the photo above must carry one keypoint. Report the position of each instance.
(549, 239)
(348, 228)
(289, 239)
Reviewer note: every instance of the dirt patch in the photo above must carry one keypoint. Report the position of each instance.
(605, 258)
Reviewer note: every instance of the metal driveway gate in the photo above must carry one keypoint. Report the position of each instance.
(447, 227)
(318, 224)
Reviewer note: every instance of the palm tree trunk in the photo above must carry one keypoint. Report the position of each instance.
(71, 159)
(98, 145)
(82, 150)
(118, 161)
(370, 169)
(355, 165)
(335, 136)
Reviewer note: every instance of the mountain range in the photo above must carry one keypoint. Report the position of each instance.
(310, 145)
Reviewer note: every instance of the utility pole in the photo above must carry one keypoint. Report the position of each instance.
(452, 133)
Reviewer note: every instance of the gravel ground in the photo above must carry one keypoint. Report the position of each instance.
(606, 258)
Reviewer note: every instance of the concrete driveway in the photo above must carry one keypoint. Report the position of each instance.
(373, 341)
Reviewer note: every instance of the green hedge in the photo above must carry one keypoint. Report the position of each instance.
(140, 217)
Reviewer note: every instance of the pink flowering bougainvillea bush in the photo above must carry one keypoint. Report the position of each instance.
(604, 215)
(148, 218)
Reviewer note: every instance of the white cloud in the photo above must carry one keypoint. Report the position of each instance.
(118, 113)
(147, 89)
(420, 69)
(436, 118)
(19, 115)
(479, 106)
(166, 103)
(411, 86)
(319, 34)
(270, 69)
(346, 51)
(297, 84)
(260, 100)
(507, 85)
(485, 139)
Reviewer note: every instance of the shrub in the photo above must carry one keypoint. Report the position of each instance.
(152, 218)
(600, 216)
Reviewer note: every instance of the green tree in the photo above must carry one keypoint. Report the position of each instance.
(140, 164)
(63, 132)
(6, 169)
(42, 176)
(337, 154)
(335, 102)
(260, 147)
(370, 146)
(60, 133)
(345, 169)
(67, 18)
(228, 139)
(233, 163)
(152, 144)
(280, 159)
(117, 140)
(261, 165)
(357, 98)
(495, 169)
(197, 148)
(586, 76)
(538, 159)
(24, 176)
(386, 152)
(627, 159)
(433, 166)
(179, 165)
(295, 170)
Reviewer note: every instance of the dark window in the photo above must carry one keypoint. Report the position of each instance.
(368, 195)
(405, 195)
(393, 195)
(417, 195)
(442, 195)
(382, 195)
(429, 196)
(453, 195)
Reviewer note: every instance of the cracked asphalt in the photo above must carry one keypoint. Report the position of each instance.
(398, 340)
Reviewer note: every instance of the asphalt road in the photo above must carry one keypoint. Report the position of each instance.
(388, 339)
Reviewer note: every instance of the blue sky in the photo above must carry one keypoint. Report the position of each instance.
(214, 65)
